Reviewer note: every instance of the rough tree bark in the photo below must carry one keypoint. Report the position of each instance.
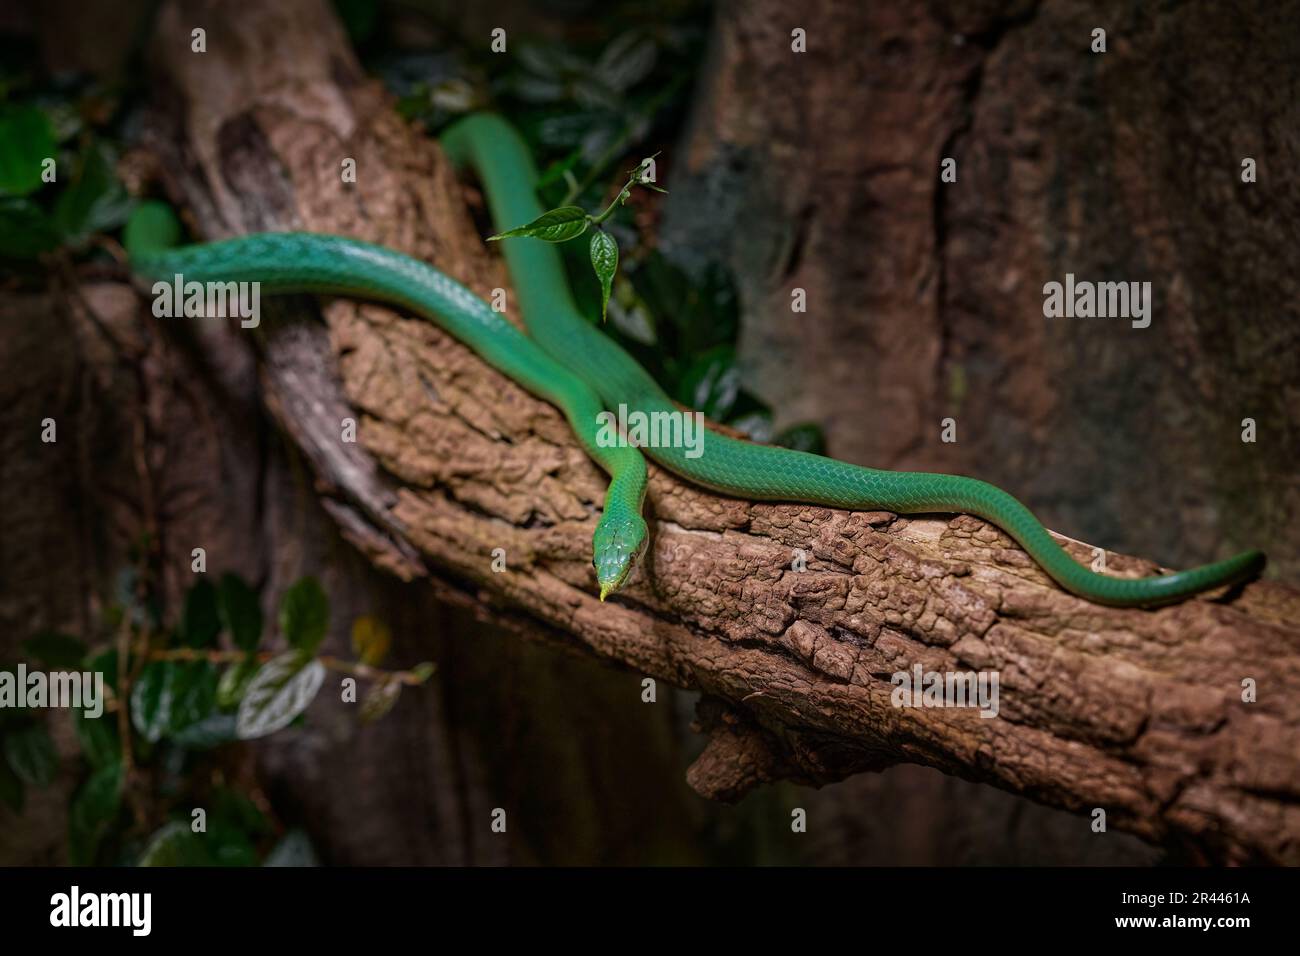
(821, 171)
(1137, 712)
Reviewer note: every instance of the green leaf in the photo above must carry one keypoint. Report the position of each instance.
(550, 59)
(294, 849)
(11, 788)
(235, 809)
(558, 169)
(223, 843)
(558, 225)
(212, 731)
(755, 424)
(589, 131)
(804, 437)
(282, 690)
(55, 650)
(26, 141)
(194, 694)
(423, 671)
(371, 640)
(305, 615)
(626, 61)
(31, 754)
(200, 621)
(92, 809)
(241, 611)
(227, 845)
(589, 92)
(380, 699)
(98, 738)
(105, 663)
(696, 314)
(173, 844)
(152, 698)
(65, 119)
(711, 383)
(25, 230)
(234, 682)
(95, 201)
(152, 226)
(604, 260)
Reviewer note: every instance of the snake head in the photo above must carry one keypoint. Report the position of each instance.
(617, 545)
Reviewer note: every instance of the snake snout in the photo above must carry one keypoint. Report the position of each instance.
(617, 545)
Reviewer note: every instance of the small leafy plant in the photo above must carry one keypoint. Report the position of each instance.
(177, 703)
(583, 109)
(569, 222)
(58, 182)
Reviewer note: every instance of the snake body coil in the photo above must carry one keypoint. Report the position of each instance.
(569, 362)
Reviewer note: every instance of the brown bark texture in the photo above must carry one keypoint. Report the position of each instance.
(821, 172)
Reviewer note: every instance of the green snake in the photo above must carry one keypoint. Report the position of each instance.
(566, 360)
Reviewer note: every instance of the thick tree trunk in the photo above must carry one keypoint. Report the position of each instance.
(821, 171)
